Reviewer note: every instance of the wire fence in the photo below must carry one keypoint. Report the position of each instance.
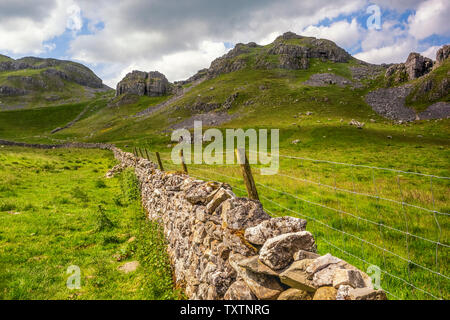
(393, 219)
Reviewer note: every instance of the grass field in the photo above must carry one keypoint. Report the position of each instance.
(382, 224)
(58, 210)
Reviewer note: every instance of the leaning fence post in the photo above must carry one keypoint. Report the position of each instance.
(182, 162)
(146, 153)
(247, 174)
(159, 161)
(135, 152)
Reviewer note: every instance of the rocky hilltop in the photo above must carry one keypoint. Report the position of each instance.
(40, 81)
(152, 84)
(65, 70)
(289, 51)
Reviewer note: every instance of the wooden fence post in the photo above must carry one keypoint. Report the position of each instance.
(247, 174)
(159, 161)
(146, 153)
(182, 162)
(135, 152)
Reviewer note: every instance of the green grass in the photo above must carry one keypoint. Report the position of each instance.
(68, 214)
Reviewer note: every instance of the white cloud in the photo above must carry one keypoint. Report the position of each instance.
(344, 33)
(395, 53)
(432, 17)
(25, 32)
(431, 52)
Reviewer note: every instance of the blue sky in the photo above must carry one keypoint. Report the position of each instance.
(179, 38)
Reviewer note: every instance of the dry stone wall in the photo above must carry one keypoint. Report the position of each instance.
(225, 247)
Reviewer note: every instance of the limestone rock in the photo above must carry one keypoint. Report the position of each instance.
(302, 254)
(220, 196)
(343, 293)
(242, 213)
(255, 265)
(324, 277)
(141, 83)
(294, 294)
(296, 277)
(239, 291)
(272, 228)
(367, 294)
(442, 54)
(321, 263)
(351, 278)
(325, 293)
(417, 65)
(264, 287)
(278, 252)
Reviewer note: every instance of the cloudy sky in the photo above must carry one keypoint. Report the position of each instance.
(180, 37)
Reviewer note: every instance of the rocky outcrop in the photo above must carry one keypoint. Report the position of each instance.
(415, 67)
(152, 84)
(214, 242)
(442, 54)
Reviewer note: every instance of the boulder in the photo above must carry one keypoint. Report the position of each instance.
(272, 228)
(296, 277)
(242, 213)
(278, 252)
(239, 291)
(325, 293)
(294, 294)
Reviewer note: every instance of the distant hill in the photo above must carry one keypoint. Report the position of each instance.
(33, 82)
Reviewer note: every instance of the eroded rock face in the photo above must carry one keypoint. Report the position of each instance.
(152, 84)
(278, 252)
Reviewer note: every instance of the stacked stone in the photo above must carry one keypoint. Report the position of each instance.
(225, 247)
